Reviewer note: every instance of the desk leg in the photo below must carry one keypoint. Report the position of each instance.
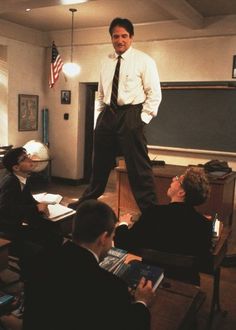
(215, 302)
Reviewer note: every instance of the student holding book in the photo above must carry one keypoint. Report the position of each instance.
(176, 227)
(78, 293)
(22, 218)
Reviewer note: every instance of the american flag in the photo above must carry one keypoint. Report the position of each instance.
(56, 66)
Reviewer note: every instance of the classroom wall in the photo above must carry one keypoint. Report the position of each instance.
(199, 56)
(3, 96)
(24, 71)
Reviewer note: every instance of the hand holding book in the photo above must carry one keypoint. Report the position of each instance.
(131, 268)
(144, 292)
(132, 273)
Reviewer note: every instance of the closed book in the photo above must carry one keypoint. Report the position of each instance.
(114, 258)
(132, 273)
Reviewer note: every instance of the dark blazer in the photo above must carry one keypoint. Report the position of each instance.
(16, 205)
(175, 228)
(76, 293)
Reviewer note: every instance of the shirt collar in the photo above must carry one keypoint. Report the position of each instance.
(127, 53)
(94, 254)
(21, 179)
(124, 55)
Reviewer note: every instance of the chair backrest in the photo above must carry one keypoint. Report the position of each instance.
(176, 266)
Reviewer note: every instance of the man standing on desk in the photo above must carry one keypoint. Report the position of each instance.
(129, 94)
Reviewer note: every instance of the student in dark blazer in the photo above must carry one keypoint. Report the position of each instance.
(176, 227)
(76, 293)
(18, 207)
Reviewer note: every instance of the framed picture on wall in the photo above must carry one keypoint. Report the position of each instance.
(234, 67)
(28, 112)
(65, 97)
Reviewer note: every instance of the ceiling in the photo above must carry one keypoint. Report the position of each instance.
(52, 15)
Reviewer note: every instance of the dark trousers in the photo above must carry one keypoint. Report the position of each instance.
(120, 133)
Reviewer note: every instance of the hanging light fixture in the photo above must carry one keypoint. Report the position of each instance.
(71, 69)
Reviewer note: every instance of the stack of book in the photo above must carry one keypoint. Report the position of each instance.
(131, 268)
(114, 258)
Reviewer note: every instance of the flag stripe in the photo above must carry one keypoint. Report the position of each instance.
(56, 66)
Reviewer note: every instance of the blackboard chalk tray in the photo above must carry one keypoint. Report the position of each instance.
(158, 163)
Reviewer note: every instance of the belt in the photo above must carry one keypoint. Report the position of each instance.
(125, 107)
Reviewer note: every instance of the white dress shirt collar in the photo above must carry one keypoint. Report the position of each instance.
(22, 181)
(124, 55)
(94, 254)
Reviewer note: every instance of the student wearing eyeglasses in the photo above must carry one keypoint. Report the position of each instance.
(22, 218)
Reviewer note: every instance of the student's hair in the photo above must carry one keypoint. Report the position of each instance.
(123, 22)
(91, 220)
(196, 186)
(12, 156)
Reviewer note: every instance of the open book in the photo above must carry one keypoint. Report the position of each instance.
(58, 212)
(48, 198)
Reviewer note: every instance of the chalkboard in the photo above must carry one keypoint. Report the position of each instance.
(197, 117)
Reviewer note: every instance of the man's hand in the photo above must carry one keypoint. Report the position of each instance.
(43, 208)
(144, 292)
(128, 219)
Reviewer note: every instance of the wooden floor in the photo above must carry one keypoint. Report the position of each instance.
(228, 274)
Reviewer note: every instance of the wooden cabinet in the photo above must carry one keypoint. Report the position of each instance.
(221, 198)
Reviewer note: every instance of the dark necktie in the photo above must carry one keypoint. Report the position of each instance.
(115, 81)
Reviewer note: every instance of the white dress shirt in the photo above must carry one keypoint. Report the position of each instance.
(138, 82)
(22, 180)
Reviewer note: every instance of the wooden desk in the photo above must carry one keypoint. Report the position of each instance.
(221, 198)
(212, 265)
(175, 305)
(65, 222)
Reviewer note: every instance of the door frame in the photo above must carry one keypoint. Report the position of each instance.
(91, 89)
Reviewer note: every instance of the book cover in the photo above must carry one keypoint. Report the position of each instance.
(6, 298)
(113, 259)
(132, 272)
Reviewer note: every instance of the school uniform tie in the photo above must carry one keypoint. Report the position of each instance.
(115, 82)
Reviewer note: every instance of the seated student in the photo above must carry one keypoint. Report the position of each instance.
(77, 293)
(17, 207)
(176, 227)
